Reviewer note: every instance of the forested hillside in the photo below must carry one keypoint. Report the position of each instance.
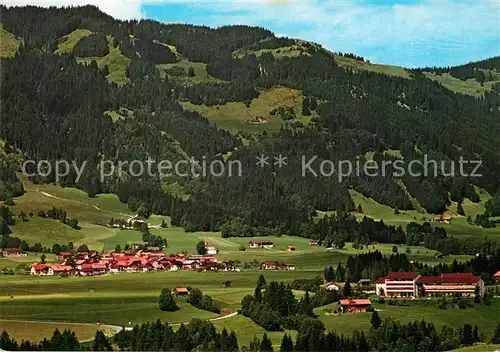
(76, 71)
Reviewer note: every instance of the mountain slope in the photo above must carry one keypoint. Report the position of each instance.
(342, 109)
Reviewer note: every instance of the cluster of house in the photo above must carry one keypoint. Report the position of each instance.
(272, 265)
(270, 244)
(94, 263)
(412, 284)
(11, 252)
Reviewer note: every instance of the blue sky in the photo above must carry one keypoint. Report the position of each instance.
(409, 33)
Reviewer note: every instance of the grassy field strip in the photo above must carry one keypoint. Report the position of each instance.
(68, 42)
(36, 331)
(469, 87)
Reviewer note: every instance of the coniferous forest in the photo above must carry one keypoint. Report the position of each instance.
(54, 107)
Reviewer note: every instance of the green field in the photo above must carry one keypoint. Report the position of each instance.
(281, 52)
(200, 70)
(118, 299)
(470, 86)
(68, 42)
(485, 317)
(37, 331)
(358, 65)
(117, 63)
(132, 298)
(233, 116)
(246, 329)
(8, 44)
(90, 212)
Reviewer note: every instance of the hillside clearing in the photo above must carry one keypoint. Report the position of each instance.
(8, 44)
(37, 331)
(458, 226)
(470, 86)
(68, 42)
(200, 72)
(233, 116)
(117, 63)
(358, 65)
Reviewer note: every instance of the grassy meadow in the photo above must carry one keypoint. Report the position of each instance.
(117, 63)
(37, 331)
(200, 72)
(9, 44)
(458, 227)
(358, 65)
(470, 86)
(485, 317)
(233, 116)
(68, 42)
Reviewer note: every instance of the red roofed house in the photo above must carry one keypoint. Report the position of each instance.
(61, 269)
(397, 284)
(291, 247)
(261, 244)
(41, 270)
(13, 252)
(181, 291)
(269, 265)
(497, 276)
(464, 284)
(354, 305)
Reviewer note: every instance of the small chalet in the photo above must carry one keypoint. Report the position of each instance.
(313, 242)
(269, 265)
(497, 276)
(331, 286)
(444, 219)
(354, 305)
(211, 250)
(291, 248)
(181, 291)
(261, 244)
